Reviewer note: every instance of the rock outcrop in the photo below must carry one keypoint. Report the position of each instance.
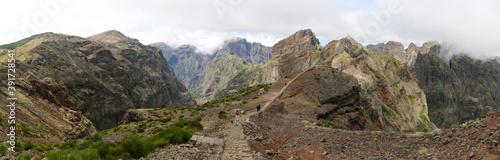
(100, 77)
(292, 55)
(458, 89)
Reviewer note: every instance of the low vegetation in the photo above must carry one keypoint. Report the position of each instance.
(130, 146)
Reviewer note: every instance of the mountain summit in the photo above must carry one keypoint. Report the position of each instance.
(111, 36)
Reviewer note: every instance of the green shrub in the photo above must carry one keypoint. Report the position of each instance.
(3, 149)
(483, 116)
(319, 124)
(336, 126)
(18, 147)
(469, 123)
(222, 115)
(165, 120)
(94, 138)
(453, 126)
(425, 130)
(116, 129)
(171, 135)
(24, 157)
(73, 154)
(67, 145)
(136, 146)
(255, 97)
(190, 124)
(244, 102)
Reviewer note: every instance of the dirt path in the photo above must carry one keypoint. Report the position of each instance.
(284, 88)
(236, 146)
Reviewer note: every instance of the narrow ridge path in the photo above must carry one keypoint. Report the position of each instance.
(235, 144)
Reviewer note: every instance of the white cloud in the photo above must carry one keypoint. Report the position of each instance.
(473, 26)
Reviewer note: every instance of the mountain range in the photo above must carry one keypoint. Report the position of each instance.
(70, 87)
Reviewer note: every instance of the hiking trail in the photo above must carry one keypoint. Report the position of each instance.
(235, 143)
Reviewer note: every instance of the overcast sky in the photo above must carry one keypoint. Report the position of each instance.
(472, 26)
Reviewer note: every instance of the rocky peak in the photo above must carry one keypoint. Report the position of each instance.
(412, 48)
(252, 52)
(337, 48)
(427, 46)
(395, 46)
(300, 39)
(235, 40)
(292, 55)
(111, 36)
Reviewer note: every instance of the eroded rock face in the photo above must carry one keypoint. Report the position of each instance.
(292, 55)
(104, 75)
(458, 90)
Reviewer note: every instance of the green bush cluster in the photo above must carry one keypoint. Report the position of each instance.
(131, 146)
(330, 125)
(3, 149)
(222, 115)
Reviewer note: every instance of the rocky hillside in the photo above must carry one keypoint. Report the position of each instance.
(208, 131)
(236, 65)
(65, 81)
(458, 90)
(389, 94)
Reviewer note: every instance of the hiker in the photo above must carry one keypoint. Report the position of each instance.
(258, 107)
(236, 115)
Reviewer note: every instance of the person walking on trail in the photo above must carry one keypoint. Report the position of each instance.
(236, 115)
(258, 107)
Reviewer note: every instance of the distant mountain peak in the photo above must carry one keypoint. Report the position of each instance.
(111, 36)
(237, 39)
(348, 38)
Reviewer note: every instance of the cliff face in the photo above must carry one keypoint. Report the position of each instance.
(458, 90)
(103, 76)
(292, 55)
